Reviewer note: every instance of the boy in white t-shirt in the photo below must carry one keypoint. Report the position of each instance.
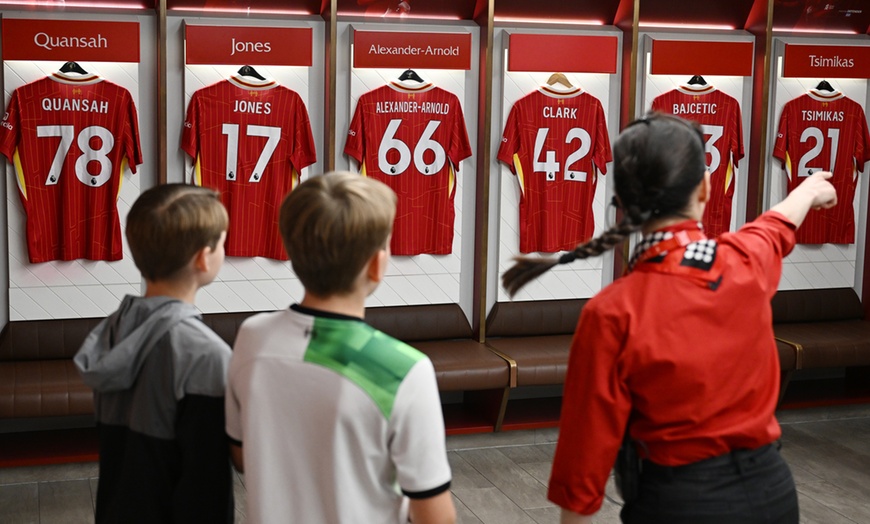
(332, 420)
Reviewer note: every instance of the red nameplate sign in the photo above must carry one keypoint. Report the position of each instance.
(411, 50)
(231, 45)
(564, 53)
(686, 57)
(826, 61)
(64, 40)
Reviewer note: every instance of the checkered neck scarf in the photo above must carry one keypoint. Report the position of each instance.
(649, 241)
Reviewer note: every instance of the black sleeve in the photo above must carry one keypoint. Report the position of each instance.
(204, 492)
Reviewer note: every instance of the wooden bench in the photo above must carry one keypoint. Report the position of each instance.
(38, 378)
(820, 328)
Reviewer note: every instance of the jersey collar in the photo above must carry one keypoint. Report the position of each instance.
(696, 90)
(252, 84)
(560, 93)
(406, 88)
(825, 96)
(658, 243)
(65, 78)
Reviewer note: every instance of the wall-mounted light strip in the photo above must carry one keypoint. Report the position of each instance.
(243, 10)
(73, 3)
(668, 25)
(571, 21)
(815, 31)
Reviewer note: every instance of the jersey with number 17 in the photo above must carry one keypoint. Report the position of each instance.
(821, 131)
(556, 143)
(413, 139)
(250, 140)
(69, 138)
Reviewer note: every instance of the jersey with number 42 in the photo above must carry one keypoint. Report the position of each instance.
(70, 138)
(556, 143)
(719, 116)
(413, 139)
(250, 141)
(820, 131)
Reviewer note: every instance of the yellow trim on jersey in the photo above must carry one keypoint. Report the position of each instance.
(451, 179)
(362, 168)
(197, 171)
(729, 175)
(294, 179)
(519, 169)
(121, 176)
(788, 165)
(19, 174)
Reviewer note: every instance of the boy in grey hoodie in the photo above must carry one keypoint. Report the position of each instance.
(159, 373)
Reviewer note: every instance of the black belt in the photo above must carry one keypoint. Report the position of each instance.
(734, 459)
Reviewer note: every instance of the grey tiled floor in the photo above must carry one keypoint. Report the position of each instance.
(502, 478)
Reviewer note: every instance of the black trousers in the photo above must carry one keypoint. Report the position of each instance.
(745, 487)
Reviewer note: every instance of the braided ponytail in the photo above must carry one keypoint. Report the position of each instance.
(527, 268)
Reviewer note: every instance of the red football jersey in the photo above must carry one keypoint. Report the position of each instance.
(412, 139)
(556, 143)
(821, 131)
(69, 138)
(719, 115)
(250, 141)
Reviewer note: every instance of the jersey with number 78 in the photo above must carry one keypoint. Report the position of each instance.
(413, 139)
(556, 143)
(250, 141)
(69, 138)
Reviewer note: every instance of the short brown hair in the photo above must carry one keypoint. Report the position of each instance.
(332, 225)
(169, 223)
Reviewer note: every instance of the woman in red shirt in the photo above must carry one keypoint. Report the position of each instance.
(680, 350)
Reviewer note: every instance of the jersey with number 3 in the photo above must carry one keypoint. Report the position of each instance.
(821, 131)
(250, 141)
(720, 118)
(556, 143)
(70, 138)
(413, 139)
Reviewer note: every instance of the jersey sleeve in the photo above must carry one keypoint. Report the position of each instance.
(304, 153)
(10, 128)
(510, 140)
(595, 409)
(460, 148)
(780, 148)
(190, 130)
(354, 145)
(657, 104)
(132, 146)
(417, 444)
(602, 154)
(737, 146)
(862, 144)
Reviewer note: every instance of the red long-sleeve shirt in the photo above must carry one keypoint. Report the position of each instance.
(685, 344)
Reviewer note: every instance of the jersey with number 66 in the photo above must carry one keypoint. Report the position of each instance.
(720, 118)
(69, 138)
(821, 131)
(413, 139)
(556, 143)
(250, 141)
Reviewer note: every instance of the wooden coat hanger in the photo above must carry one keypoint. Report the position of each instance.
(559, 78)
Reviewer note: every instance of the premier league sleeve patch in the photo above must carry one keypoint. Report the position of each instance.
(700, 255)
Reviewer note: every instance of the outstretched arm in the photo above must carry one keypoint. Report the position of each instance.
(814, 193)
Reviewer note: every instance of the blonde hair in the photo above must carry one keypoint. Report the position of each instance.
(332, 225)
(169, 223)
